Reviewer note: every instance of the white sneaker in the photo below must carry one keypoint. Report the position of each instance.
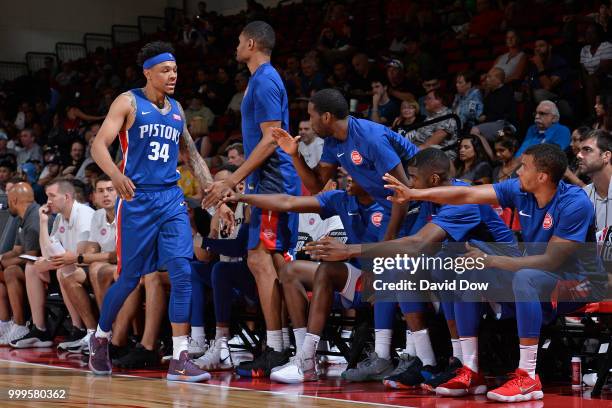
(81, 346)
(5, 327)
(16, 332)
(217, 357)
(66, 345)
(197, 346)
(297, 370)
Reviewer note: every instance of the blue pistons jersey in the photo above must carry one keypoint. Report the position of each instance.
(151, 146)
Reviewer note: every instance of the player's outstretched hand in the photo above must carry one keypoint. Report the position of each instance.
(215, 193)
(402, 195)
(124, 186)
(285, 141)
(231, 197)
(327, 249)
(227, 216)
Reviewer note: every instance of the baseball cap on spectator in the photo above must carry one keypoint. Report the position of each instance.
(395, 63)
(29, 169)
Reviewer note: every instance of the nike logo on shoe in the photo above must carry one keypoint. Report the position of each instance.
(526, 390)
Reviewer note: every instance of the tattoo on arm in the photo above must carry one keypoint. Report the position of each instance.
(200, 169)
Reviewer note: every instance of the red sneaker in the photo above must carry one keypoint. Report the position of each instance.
(520, 387)
(465, 382)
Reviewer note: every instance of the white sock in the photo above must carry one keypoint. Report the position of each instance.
(179, 344)
(410, 349)
(274, 339)
(91, 331)
(345, 334)
(528, 359)
(382, 343)
(456, 343)
(309, 346)
(469, 350)
(197, 332)
(299, 334)
(221, 332)
(101, 334)
(422, 345)
(286, 338)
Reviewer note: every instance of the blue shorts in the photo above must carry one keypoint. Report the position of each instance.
(277, 231)
(152, 228)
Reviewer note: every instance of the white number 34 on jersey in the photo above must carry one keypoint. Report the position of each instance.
(159, 151)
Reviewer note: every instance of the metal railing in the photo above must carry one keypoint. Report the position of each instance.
(70, 51)
(93, 41)
(39, 60)
(125, 34)
(10, 71)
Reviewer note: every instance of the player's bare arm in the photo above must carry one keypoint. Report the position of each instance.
(314, 179)
(200, 169)
(258, 156)
(398, 210)
(455, 195)
(120, 117)
(277, 202)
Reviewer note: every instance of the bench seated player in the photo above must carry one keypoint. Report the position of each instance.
(362, 220)
(557, 220)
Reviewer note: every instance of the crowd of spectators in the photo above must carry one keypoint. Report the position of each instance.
(456, 75)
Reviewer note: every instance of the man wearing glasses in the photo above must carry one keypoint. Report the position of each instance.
(546, 128)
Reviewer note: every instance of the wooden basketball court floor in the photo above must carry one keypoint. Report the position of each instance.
(47, 369)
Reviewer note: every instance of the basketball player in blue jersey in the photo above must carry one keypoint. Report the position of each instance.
(152, 224)
(268, 170)
(551, 212)
(366, 150)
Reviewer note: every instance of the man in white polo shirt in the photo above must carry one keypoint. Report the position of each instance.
(99, 249)
(60, 253)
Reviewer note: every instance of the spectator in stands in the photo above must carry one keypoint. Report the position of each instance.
(52, 169)
(364, 75)
(198, 129)
(224, 89)
(548, 75)
(595, 160)
(473, 163)
(190, 37)
(340, 79)
(417, 63)
(429, 83)
(73, 163)
(441, 134)
(383, 109)
(187, 182)
(311, 79)
(499, 108)
(5, 152)
(235, 154)
(108, 79)
(240, 81)
(310, 145)
(7, 171)
(468, 103)
(133, 78)
(68, 75)
(197, 108)
(409, 116)
(546, 128)
(506, 146)
(9, 232)
(29, 151)
(399, 87)
(12, 279)
(596, 61)
(603, 112)
(99, 247)
(486, 20)
(571, 174)
(513, 62)
(59, 250)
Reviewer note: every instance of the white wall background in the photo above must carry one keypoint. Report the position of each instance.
(36, 25)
